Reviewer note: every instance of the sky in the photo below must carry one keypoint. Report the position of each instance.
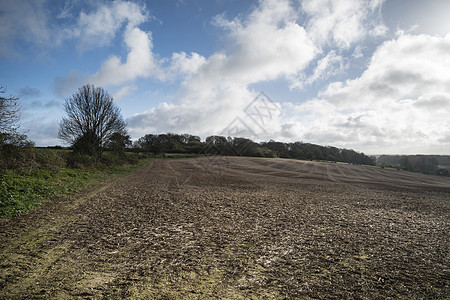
(368, 75)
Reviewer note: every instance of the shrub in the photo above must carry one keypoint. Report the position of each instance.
(53, 160)
(80, 161)
(16, 151)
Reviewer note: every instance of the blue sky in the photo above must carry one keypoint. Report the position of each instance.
(372, 75)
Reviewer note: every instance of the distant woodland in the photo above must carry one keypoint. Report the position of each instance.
(237, 146)
(428, 164)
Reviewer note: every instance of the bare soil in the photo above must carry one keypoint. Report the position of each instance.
(236, 228)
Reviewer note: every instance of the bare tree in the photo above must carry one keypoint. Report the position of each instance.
(92, 118)
(9, 113)
(15, 149)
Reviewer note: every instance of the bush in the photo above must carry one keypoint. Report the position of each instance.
(107, 159)
(80, 161)
(53, 160)
(117, 159)
(16, 151)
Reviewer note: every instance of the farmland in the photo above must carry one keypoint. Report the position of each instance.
(236, 228)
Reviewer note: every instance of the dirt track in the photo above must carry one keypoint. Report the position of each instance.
(237, 228)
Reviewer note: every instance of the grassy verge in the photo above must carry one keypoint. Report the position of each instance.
(22, 190)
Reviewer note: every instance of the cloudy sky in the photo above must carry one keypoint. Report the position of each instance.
(371, 75)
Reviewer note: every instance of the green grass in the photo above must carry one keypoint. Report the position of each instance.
(22, 190)
(48, 176)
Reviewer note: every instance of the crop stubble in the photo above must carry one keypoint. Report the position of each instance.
(230, 227)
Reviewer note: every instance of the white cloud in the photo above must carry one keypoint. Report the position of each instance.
(328, 66)
(98, 28)
(400, 104)
(140, 62)
(66, 12)
(269, 44)
(184, 64)
(357, 53)
(405, 68)
(123, 91)
(266, 45)
(31, 21)
(210, 115)
(342, 22)
(44, 131)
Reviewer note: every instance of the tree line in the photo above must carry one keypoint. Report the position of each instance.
(239, 146)
(94, 124)
(427, 164)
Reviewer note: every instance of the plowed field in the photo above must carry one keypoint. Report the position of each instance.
(236, 228)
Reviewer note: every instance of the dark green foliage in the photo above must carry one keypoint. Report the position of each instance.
(309, 151)
(220, 145)
(51, 159)
(88, 144)
(113, 159)
(428, 164)
(245, 147)
(419, 163)
(118, 142)
(170, 143)
(79, 160)
(149, 143)
(16, 151)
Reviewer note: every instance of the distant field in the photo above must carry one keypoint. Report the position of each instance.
(334, 172)
(236, 228)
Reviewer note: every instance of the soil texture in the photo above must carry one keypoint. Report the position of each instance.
(236, 228)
